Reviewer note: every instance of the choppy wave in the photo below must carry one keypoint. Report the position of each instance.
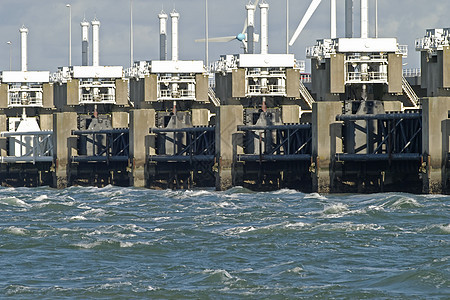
(134, 243)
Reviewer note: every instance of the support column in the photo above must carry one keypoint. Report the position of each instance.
(434, 115)
(324, 143)
(228, 118)
(3, 141)
(141, 120)
(64, 144)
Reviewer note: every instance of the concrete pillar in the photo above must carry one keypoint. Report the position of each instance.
(227, 120)
(290, 114)
(141, 120)
(434, 115)
(325, 143)
(119, 119)
(200, 117)
(3, 141)
(46, 121)
(64, 144)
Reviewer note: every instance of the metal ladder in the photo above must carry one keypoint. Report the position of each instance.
(212, 97)
(306, 95)
(409, 92)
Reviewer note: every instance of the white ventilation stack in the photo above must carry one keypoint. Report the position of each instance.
(250, 27)
(162, 36)
(84, 43)
(95, 43)
(364, 19)
(333, 19)
(24, 48)
(175, 16)
(264, 7)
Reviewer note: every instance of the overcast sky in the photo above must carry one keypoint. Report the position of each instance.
(47, 21)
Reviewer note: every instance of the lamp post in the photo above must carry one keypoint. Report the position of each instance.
(70, 33)
(131, 35)
(10, 53)
(206, 35)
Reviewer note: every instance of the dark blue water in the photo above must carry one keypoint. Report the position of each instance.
(135, 243)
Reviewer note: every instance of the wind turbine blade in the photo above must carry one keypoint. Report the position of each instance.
(246, 19)
(218, 39)
(311, 9)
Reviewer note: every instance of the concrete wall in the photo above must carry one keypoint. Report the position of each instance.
(3, 95)
(200, 117)
(337, 80)
(293, 83)
(238, 83)
(434, 115)
(325, 142)
(48, 97)
(290, 114)
(46, 121)
(141, 120)
(228, 118)
(201, 87)
(122, 92)
(150, 88)
(395, 73)
(73, 92)
(3, 146)
(119, 119)
(64, 146)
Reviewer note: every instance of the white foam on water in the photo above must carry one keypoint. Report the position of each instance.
(16, 230)
(315, 196)
(88, 245)
(13, 201)
(126, 244)
(285, 192)
(223, 273)
(239, 230)
(349, 226)
(40, 198)
(78, 218)
(334, 209)
(405, 202)
(296, 270)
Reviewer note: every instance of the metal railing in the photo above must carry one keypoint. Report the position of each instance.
(100, 98)
(18, 99)
(38, 149)
(277, 143)
(416, 72)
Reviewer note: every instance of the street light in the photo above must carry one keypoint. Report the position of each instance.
(70, 33)
(10, 55)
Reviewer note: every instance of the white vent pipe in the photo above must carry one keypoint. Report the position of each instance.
(175, 16)
(84, 43)
(364, 19)
(333, 19)
(251, 27)
(95, 43)
(264, 7)
(162, 36)
(24, 48)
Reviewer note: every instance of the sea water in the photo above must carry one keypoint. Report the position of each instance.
(136, 243)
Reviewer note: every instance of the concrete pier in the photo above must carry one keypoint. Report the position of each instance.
(228, 118)
(325, 143)
(141, 120)
(65, 145)
(434, 119)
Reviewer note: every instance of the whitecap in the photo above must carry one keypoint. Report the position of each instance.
(315, 196)
(40, 198)
(78, 218)
(13, 201)
(335, 209)
(16, 230)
